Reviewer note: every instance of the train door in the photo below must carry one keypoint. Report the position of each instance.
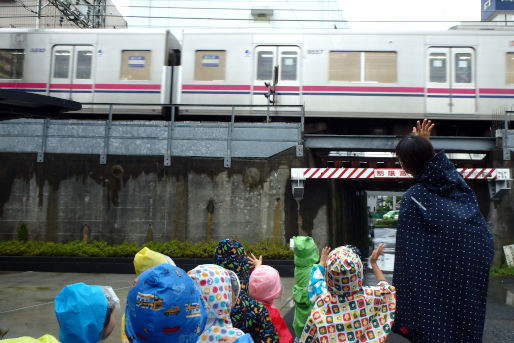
(279, 65)
(72, 72)
(451, 86)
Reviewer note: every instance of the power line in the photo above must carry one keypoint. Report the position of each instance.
(274, 1)
(25, 6)
(267, 20)
(28, 7)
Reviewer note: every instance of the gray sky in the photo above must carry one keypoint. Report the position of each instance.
(396, 10)
(417, 10)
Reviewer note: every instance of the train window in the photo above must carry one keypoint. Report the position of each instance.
(135, 65)
(344, 66)
(380, 67)
(509, 67)
(438, 67)
(265, 65)
(288, 65)
(210, 65)
(463, 68)
(360, 66)
(62, 64)
(11, 61)
(84, 61)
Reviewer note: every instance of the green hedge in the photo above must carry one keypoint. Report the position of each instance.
(386, 222)
(501, 271)
(174, 249)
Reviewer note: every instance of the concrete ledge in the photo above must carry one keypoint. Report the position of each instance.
(119, 265)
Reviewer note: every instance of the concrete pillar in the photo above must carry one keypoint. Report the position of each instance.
(350, 215)
(500, 216)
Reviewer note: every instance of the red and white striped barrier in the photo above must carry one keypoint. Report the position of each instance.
(390, 173)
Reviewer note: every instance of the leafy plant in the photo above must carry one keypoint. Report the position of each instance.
(22, 232)
(173, 248)
(501, 271)
(386, 222)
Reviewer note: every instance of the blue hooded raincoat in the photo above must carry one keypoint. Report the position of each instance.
(444, 250)
(80, 310)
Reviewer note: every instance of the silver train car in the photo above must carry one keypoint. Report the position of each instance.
(92, 66)
(455, 75)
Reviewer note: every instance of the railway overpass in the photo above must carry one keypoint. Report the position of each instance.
(124, 179)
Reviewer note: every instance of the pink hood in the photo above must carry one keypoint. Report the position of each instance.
(265, 285)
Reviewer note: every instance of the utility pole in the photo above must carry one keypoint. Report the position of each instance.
(73, 14)
(38, 13)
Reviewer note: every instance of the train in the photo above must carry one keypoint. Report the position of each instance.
(458, 75)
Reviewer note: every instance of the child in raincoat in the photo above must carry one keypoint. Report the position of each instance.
(265, 286)
(219, 289)
(305, 255)
(164, 305)
(85, 314)
(248, 314)
(348, 311)
(145, 258)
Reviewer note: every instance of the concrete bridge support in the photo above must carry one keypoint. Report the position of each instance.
(351, 216)
(500, 216)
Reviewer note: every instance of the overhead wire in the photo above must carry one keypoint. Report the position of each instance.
(268, 20)
(29, 7)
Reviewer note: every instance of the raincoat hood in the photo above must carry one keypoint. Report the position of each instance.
(439, 175)
(164, 305)
(344, 272)
(305, 251)
(26, 339)
(147, 258)
(80, 310)
(230, 254)
(219, 291)
(265, 285)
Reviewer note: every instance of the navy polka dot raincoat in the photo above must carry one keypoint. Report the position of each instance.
(444, 250)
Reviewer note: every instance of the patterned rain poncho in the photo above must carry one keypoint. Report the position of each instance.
(248, 315)
(218, 293)
(348, 311)
(443, 253)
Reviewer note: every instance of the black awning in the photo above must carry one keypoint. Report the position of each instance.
(15, 103)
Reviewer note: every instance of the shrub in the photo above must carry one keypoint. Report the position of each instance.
(173, 248)
(22, 232)
(501, 271)
(386, 222)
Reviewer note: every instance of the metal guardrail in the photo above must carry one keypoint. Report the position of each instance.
(388, 143)
(157, 137)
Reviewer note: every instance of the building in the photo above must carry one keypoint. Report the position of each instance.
(52, 14)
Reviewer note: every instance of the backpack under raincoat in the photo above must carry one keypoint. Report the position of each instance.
(444, 249)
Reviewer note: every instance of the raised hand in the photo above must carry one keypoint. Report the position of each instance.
(376, 253)
(423, 129)
(254, 261)
(379, 276)
(324, 255)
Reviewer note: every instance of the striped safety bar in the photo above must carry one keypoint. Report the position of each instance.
(390, 173)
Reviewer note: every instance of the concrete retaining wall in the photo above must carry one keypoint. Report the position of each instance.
(137, 198)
